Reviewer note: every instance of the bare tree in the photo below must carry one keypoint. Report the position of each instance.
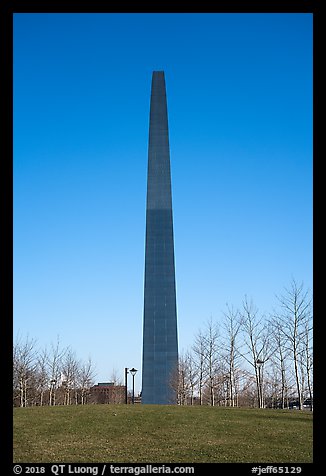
(115, 378)
(191, 375)
(180, 381)
(199, 349)
(295, 313)
(279, 358)
(306, 363)
(184, 379)
(308, 359)
(86, 379)
(257, 342)
(232, 326)
(115, 394)
(211, 343)
(221, 385)
(54, 366)
(23, 366)
(42, 375)
(69, 375)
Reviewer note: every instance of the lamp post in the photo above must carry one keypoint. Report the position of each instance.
(126, 385)
(259, 363)
(133, 373)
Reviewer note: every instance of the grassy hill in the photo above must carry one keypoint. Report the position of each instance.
(160, 434)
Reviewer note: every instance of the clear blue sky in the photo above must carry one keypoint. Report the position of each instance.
(239, 90)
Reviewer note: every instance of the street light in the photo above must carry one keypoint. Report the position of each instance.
(259, 363)
(133, 372)
(126, 385)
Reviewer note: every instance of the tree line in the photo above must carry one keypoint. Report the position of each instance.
(248, 359)
(49, 376)
(244, 359)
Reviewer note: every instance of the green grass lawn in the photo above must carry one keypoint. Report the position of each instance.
(160, 434)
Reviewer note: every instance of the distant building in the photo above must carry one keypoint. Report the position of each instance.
(107, 392)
